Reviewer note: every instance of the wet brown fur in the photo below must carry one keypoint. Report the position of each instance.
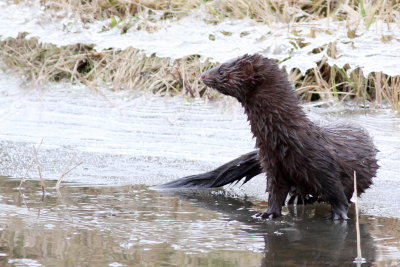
(295, 152)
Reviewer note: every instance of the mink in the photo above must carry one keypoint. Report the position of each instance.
(297, 155)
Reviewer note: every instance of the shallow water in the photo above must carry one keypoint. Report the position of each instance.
(136, 226)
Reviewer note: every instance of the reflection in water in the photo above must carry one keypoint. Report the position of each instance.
(301, 238)
(135, 226)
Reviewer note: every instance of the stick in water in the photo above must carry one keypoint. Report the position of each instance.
(65, 173)
(359, 259)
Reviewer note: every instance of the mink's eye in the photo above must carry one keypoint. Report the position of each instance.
(221, 72)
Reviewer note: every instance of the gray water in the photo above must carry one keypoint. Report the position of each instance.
(135, 226)
(105, 213)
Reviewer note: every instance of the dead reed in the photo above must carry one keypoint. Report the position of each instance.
(131, 69)
(122, 69)
(265, 11)
(92, 10)
(332, 83)
(359, 259)
(35, 162)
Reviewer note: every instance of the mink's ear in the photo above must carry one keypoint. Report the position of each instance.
(248, 69)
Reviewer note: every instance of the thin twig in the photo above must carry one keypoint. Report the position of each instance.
(39, 168)
(29, 167)
(359, 259)
(65, 173)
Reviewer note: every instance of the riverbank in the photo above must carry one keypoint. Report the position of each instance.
(348, 53)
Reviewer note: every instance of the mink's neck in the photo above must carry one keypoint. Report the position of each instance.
(276, 117)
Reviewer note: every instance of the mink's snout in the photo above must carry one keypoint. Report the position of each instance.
(207, 75)
(204, 75)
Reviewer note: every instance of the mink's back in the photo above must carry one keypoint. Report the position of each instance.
(354, 150)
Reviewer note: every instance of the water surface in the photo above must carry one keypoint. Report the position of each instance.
(136, 226)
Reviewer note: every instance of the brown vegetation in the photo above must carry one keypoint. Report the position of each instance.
(123, 69)
(260, 10)
(41, 62)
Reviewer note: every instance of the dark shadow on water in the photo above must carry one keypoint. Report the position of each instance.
(300, 238)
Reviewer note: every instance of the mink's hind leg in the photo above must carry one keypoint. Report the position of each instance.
(297, 198)
(276, 199)
(332, 191)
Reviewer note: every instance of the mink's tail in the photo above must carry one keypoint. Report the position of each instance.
(246, 166)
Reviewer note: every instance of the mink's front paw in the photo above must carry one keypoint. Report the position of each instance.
(267, 215)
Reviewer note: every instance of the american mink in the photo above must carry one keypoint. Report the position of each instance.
(296, 154)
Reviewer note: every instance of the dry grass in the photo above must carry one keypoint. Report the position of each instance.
(353, 12)
(131, 69)
(332, 83)
(100, 9)
(122, 69)
(387, 88)
(266, 11)
(269, 11)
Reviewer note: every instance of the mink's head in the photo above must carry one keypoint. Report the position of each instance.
(238, 77)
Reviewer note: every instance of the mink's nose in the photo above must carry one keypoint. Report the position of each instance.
(202, 77)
